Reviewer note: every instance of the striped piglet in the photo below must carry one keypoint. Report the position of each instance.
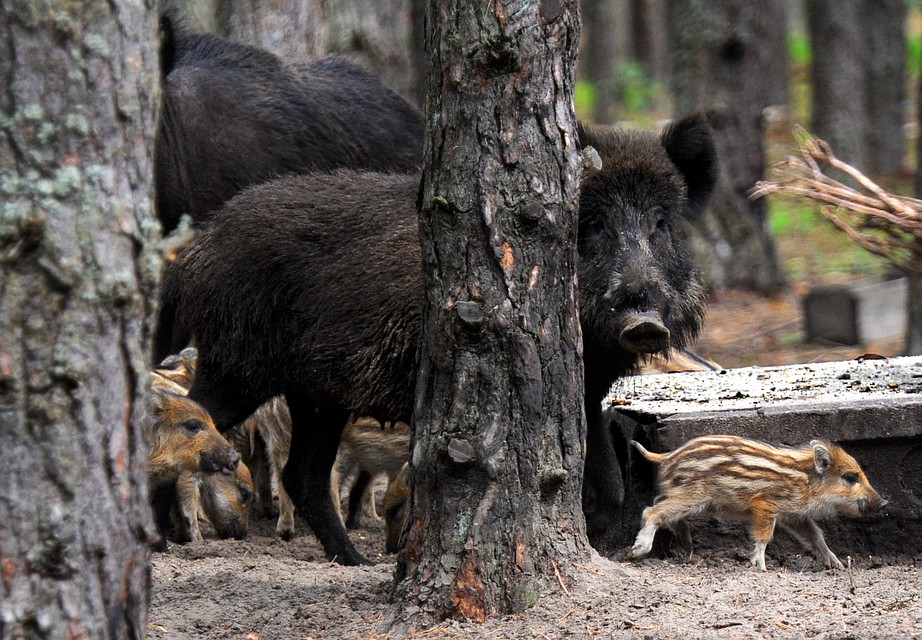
(766, 485)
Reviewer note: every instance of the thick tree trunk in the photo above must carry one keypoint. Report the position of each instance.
(726, 54)
(499, 427)
(914, 316)
(77, 102)
(859, 56)
(291, 29)
(650, 36)
(884, 26)
(378, 35)
(606, 40)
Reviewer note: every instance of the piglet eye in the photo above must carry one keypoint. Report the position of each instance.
(193, 426)
(850, 477)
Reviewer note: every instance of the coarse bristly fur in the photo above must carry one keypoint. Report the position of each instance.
(761, 483)
(234, 115)
(311, 287)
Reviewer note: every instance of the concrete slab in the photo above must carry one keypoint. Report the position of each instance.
(857, 314)
(873, 408)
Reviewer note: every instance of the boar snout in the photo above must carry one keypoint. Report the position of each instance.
(644, 332)
(218, 459)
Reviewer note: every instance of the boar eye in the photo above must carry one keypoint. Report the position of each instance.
(850, 477)
(659, 219)
(193, 426)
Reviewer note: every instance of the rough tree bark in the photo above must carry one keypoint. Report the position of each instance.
(725, 54)
(858, 68)
(499, 427)
(78, 89)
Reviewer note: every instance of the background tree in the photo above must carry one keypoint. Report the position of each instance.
(859, 76)
(650, 38)
(292, 29)
(729, 59)
(499, 426)
(77, 106)
(605, 45)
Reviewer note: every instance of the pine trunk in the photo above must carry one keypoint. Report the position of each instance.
(725, 57)
(77, 103)
(291, 29)
(378, 35)
(499, 426)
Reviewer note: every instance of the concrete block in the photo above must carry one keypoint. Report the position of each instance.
(873, 408)
(857, 314)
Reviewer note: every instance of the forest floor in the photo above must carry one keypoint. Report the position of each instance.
(265, 589)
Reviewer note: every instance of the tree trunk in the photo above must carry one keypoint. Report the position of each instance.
(77, 102)
(418, 51)
(291, 29)
(884, 27)
(651, 46)
(914, 315)
(605, 45)
(859, 54)
(499, 428)
(378, 35)
(726, 54)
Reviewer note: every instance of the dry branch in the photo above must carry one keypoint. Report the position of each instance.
(885, 224)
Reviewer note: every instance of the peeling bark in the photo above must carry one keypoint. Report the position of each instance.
(499, 426)
(77, 107)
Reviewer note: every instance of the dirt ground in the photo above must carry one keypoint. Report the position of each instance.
(265, 589)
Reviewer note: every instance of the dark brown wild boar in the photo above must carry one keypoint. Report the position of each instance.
(758, 482)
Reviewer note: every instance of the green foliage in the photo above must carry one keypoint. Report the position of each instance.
(584, 99)
(635, 91)
(914, 54)
(812, 249)
(799, 52)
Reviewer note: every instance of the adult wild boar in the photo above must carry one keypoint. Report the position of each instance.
(311, 287)
(234, 115)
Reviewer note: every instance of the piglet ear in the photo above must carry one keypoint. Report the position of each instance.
(689, 143)
(821, 457)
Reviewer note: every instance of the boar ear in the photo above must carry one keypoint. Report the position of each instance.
(689, 143)
(821, 456)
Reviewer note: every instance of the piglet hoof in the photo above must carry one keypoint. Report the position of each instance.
(832, 562)
(636, 553)
(285, 534)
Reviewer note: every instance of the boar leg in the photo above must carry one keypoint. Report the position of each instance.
(762, 529)
(315, 434)
(682, 533)
(668, 512)
(187, 494)
(809, 534)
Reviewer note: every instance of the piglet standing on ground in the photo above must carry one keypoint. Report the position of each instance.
(312, 287)
(766, 485)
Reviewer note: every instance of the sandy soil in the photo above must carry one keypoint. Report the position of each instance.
(265, 589)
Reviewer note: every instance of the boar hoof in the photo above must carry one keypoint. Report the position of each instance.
(644, 333)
